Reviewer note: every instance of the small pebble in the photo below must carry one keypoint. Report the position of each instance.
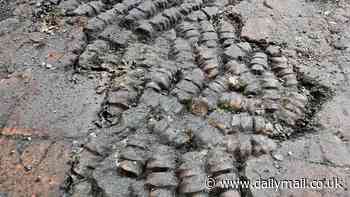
(278, 157)
(49, 66)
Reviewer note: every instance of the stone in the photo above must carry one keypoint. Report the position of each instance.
(100, 143)
(68, 6)
(116, 36)
(170, 105)
(273, 50)
(136, 117)
(193, 184)
(177, 135)
(161, 192)
(262, 145)
(219, 161)
(107, 178)
(234, 52)
(137, 189)
(245, 148)
(121, 98)
(230, 193)
(163, 158)
(161, 179)
(82, 189)
(220, 120)
(199, 107)
(208, 136)
(133, 168)
(95, 25)
(231, 143)
(86, 163)
(133, 154)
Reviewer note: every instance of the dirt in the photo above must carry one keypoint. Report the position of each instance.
(141, 98)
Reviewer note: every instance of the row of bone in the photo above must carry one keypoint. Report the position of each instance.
(164, 176)
(167, 19)
(167, 172)
(148, 9)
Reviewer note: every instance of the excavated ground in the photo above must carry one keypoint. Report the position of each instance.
(153, 98)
